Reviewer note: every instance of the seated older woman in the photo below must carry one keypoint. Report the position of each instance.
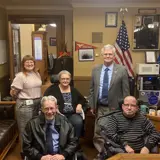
(69, 100)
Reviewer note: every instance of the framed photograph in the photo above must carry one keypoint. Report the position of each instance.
(150, 57)
(138, 21)
(52, 41)
(148, 20)
(86, 54)
(111, 19)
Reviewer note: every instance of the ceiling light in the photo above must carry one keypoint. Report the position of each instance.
(53, 25)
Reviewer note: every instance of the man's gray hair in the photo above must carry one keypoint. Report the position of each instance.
(63, 72)
(108, 46)
(47, 98)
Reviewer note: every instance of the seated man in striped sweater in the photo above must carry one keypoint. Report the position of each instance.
(128, 129)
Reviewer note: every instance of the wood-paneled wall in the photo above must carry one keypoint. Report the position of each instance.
(82, 83)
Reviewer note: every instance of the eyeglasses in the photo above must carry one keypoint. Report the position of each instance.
(108, 54)
(63, 79)
(131, 105)
(29, 62)
(50, 108)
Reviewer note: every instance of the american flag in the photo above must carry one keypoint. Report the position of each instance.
(123, 56)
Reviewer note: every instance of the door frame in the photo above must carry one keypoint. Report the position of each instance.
(35, 19)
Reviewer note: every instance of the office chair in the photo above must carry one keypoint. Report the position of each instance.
(54, 79)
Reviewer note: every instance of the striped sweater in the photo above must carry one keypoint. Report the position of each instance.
(131, 131)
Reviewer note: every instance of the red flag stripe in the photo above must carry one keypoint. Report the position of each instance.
(119, 54)
(128, 63)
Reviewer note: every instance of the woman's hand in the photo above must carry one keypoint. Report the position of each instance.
(14, 92)
(79, 108)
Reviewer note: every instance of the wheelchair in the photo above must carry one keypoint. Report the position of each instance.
(110, 148)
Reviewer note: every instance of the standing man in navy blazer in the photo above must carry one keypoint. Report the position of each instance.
(115, 87)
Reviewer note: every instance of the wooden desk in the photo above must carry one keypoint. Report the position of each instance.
(126, 156)
(155, 120)
(89, 126)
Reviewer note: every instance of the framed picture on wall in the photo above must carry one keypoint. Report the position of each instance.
(150, 57)
(147, 20)
(52, 41)
(147, 11)
(138, 21)
(86, 54)
(111, 19)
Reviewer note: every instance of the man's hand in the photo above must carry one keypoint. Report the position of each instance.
(57, 157)
(144, 150)
(47, 157)
(129, 149)
(79, 108)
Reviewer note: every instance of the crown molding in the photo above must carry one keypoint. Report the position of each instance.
(39, 7)
(117, 4)
(84, 5)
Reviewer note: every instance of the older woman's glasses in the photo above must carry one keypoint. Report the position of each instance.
(65, 79)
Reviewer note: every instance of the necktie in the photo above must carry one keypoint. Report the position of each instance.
(49, 141)
(105, 85)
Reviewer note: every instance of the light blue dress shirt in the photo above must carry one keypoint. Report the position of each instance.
(55, 136)
(110, 70)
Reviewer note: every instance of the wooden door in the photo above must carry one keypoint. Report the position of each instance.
(14, 49)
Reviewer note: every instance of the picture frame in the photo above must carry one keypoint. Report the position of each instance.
(147, 11)
(138, 21)
(148, 20)
(111, 19)
(150, 57)
(52, 41)
(86, 54)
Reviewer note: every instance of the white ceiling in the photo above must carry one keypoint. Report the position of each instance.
(80, 3)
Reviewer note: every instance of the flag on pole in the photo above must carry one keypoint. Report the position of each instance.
(123, 55)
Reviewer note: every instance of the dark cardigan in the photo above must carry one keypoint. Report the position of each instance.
(77, 98)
